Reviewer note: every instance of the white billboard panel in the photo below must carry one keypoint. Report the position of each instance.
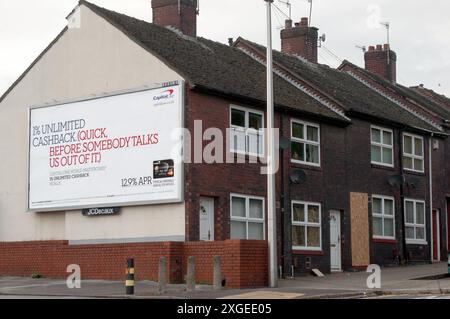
(111, 151)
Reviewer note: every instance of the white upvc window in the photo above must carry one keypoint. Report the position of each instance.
(305, 143)
(306, 226)
(247, 217)
(383, 217)
(415, 221)
(413, 153)
(382, 146)
(247, 131)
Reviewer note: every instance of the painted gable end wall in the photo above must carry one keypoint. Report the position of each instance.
(94, 59)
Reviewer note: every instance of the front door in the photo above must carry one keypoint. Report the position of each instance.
(206, 218)
(436, 236)
(335, 240)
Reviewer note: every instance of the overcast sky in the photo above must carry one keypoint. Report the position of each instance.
(420, 30)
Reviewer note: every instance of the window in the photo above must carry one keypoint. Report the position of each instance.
(306, 226)
(305, 143)
(382, 146)
(413, 153)
(247, 217)
(383, 217)
(415, 221)
(246, 131)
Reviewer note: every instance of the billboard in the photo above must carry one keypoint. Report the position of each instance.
(116, 150)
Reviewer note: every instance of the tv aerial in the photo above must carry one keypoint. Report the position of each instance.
(387, 25)
(289, 5)
(363, 48)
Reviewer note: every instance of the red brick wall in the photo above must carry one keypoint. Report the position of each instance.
(301, 40)
(376, 60)
(184, 18)
(244, 263)
(202, 179)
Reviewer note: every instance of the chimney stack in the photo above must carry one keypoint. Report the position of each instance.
(382, 61)
(300, 39)
(180, 14)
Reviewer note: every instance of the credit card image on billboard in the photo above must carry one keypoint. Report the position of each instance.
(163, 169)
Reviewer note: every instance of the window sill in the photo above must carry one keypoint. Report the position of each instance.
(247, 157)
(385, 241)
(416, 173)
(381, 166)
(417, 243)
(308, 252)
(311, 167)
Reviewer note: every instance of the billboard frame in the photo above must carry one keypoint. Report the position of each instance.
(179, 200)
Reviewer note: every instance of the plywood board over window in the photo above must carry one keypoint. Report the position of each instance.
(359, 218)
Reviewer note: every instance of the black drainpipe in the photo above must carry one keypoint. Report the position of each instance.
(404, 260)
(282, 198)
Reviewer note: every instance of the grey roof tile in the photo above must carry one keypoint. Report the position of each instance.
(349, 92)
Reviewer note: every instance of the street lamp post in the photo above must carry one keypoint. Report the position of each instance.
(271, 213)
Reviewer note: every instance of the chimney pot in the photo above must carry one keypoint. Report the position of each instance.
(382, 61)
(288, 24)
(301, 40)
(304, 22)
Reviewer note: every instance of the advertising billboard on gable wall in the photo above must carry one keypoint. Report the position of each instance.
(117, 150)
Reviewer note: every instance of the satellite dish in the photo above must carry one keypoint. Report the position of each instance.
(413, 183)
(323, 37)
(396, 180)
(298, 176)
(284, 143)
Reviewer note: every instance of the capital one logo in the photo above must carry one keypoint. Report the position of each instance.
(168, 94)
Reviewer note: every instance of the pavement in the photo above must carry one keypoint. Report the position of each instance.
(396, 283)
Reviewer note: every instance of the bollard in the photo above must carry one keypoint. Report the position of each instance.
(162, 275)
(217, 273)
(190, 277)
(129, 283)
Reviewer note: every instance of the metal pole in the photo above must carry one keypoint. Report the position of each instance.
(430, 163)
(162, 281)
(272, 232)
(129, 283)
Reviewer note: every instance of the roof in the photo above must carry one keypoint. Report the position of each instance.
(213, 66)
(407, 93)
(221, 69)
(440, 99)
(206, 65)
(353, 95)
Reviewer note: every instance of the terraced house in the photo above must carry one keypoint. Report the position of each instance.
(363, 172)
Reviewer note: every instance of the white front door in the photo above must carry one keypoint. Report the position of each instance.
(206, 218)
(335, 240)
